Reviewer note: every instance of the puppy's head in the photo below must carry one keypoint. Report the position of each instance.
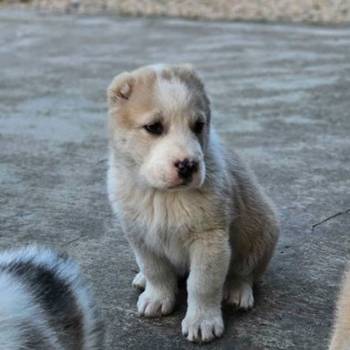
(159, 119)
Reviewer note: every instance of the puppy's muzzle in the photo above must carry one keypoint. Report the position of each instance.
(186, 168)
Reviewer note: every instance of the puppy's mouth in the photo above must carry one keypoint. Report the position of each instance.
(185, 184)
(178, 186)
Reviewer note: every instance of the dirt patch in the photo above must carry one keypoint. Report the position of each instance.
(311, 11)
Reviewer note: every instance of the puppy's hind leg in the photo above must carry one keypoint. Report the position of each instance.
(139, 281)
(238, 291)
(252, 251)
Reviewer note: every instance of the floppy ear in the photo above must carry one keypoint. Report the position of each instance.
(187, 72)
(185, 67)
(120, 88)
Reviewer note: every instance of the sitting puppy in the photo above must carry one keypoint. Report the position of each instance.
(185, 203)
(44, 304)
(341, 333)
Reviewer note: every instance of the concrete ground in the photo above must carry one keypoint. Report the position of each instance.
(281, 97)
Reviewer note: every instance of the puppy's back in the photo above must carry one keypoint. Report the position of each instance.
(44, 303)
(341, 333)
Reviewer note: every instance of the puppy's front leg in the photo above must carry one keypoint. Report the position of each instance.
(210, 258)
(158, 298)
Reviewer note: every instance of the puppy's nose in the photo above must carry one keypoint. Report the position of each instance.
(186, 167)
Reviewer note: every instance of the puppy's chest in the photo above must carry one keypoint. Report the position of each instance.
(164, 222)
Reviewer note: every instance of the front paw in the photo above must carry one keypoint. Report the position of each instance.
(155, 302)
(203, 325)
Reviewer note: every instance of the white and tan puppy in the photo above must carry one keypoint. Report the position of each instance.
(341, 334)
(185, 203)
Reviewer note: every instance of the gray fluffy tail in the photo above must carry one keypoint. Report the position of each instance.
(45, 303)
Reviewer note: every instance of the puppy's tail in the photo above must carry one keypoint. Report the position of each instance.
(45, 303)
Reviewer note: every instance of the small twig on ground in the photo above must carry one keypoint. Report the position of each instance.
(101, 161)
(347, 211)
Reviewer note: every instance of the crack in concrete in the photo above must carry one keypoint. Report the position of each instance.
(347, 211)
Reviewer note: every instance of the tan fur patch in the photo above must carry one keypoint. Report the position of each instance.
(129, 113)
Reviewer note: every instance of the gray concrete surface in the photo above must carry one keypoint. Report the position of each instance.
(281, 97)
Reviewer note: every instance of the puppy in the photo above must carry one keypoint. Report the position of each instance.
(341, 333)
(44, 304)
(186, 204)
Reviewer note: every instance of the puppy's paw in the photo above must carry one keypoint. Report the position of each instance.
(139, 281)
(203, 325)
(240, 295)
(155, 302)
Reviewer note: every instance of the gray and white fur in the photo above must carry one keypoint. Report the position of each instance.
(45, 304)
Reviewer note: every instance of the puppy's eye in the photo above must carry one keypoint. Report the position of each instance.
(198, 126)
(154, 128)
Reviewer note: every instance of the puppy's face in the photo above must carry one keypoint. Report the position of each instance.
(159, 124)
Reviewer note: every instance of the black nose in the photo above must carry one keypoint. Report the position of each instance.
(186, 167)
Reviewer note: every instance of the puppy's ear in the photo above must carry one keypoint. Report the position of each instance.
(120, 88)
(185, 67)
(187, 73)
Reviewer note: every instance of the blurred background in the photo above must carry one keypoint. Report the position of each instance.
(311, 11)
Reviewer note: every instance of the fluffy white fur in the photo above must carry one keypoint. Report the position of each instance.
(219, 227)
